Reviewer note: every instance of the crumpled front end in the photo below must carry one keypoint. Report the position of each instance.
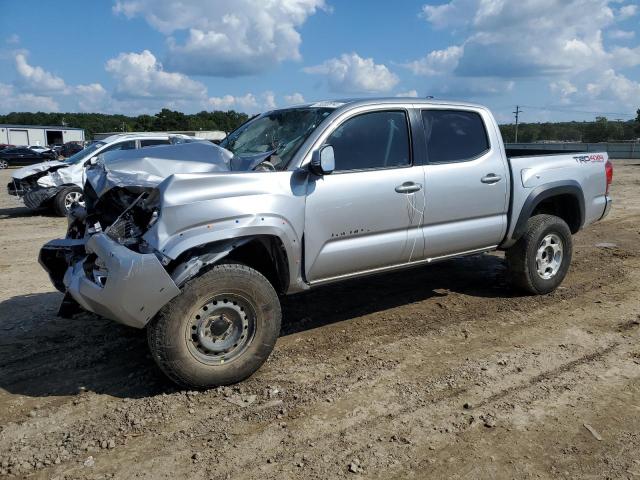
(108, 279)
(37, 185)
(110, 264)
(110, 271)
(103, 264)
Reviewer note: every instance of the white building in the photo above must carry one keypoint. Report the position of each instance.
(204, 134)
(39, 135)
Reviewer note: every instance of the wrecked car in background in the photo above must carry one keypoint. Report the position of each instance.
(58, 184)
(305, 196)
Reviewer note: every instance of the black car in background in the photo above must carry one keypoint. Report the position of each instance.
(71, 148)
(23, 156)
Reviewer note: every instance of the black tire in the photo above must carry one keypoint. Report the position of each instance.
(172, 335)
(522, 267)
(60, 201)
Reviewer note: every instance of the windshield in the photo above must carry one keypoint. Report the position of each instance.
(281, 132)
(84, 154)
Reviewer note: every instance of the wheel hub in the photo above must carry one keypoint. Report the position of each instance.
(549, 256)
(71, 198)
(221, 329)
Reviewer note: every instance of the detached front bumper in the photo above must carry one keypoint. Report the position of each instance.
(128, 287)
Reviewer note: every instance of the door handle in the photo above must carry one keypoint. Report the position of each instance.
(408, 187)
(491, 178)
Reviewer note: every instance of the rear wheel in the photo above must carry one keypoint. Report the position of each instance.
(66, 198)
(4, 164)
(540, 259)
(219, 330)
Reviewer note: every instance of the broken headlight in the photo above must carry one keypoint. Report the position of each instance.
(140, 214)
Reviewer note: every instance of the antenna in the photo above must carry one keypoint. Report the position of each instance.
(517, 114)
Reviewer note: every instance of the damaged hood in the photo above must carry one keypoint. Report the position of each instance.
(25, 172)
(148, 167)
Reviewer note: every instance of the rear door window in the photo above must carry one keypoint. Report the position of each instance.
(372, 140)
(454, 135)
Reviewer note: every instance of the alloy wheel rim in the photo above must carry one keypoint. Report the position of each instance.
(4, 164)
(221, 330)
(71, 198)
(549, 256)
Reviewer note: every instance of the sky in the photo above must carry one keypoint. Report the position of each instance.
(558, 59)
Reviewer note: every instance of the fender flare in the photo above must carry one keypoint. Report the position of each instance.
(543, 192)
(211, 246)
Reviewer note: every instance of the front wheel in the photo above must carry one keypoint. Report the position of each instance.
(66, 198)
(4, 164)
(219, 330)
(540, 259)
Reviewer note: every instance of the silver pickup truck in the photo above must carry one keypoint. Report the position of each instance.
(300, 197)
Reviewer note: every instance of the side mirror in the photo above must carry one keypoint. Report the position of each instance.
(91, 161)
(323, 161)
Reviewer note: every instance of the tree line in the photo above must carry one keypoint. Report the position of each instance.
(165, 120)
(600, 130)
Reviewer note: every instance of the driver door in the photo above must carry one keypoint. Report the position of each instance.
(366, 215)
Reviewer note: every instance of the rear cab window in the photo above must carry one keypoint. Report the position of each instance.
(372, 140)
(454, 135)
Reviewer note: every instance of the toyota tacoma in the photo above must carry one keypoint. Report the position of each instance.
(198, 252)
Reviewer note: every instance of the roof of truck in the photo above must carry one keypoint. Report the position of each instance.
(136, 136)
(337, 103)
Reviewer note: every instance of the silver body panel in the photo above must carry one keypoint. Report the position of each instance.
(537, 171)
(137, 285)
(334, 226)
(462, 212)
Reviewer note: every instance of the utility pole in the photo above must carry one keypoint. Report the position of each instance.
(517, 114)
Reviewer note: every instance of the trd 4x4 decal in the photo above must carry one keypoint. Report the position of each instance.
(589, 158)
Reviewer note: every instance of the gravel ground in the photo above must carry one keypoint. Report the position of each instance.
(437, 372)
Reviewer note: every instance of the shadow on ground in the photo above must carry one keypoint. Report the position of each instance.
(44, 355)
(18, 211)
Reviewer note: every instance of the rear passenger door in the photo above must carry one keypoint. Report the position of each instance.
(466, 182)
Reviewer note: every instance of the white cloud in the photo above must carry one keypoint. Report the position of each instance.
(351, 73)
(140, 75)
(627, 11)
(269, 100)
(14, 101)
(36, 78)
(437, 62)
(92, 97)
(226, 38)
(499, 44)
(512, 39)
(410, 93)
(294, 98)
(612, 86)
(247, 102)
(12, 39)
(622, 34)
(565, 89)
